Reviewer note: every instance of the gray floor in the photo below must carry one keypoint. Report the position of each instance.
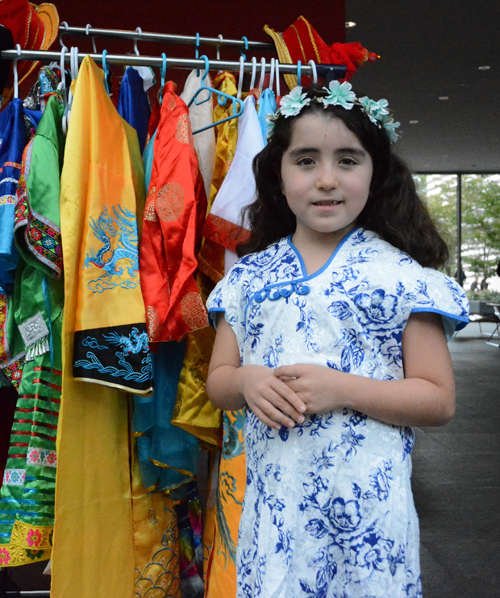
(456, 480)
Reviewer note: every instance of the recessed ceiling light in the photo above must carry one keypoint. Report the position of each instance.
(413, 122)
(443, 98)
(484, 68)
(351, 24)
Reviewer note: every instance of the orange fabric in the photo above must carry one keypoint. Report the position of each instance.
(223, 518)
(173, 218)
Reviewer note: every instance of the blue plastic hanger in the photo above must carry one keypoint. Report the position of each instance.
(237, 103)
(163, 74)
(245, 39)
(105, 69)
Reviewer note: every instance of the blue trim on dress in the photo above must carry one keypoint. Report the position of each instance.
(260, 295)
(462, 319)
(211, 320)
(328, 262)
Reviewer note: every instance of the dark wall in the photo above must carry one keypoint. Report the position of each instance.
(231, 18)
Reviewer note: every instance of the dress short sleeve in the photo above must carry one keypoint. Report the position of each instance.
(438, 293)
(229, 298)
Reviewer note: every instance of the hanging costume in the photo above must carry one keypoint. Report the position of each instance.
(102, 187)
(173, 217)
(17, 126)
(328, 505)
(201, 116)
(35, 322)
(133, 104)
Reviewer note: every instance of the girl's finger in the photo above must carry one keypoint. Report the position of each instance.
(284, 389)
(265, 419)
(288, 371)
(277, 415)
(285, 405)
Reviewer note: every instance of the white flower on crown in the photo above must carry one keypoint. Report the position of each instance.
(339, 94)
(293, 103)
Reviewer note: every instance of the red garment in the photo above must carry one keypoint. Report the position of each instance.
(173, 218)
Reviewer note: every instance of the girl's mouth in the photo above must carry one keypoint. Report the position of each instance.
(326, 202)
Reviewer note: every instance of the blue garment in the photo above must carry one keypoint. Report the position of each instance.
(17, 126)
(133, 104)
(168, 455)
(147, 158)
(267, 105)
(328, 508)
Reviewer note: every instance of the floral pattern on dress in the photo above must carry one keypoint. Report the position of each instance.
(328, 509)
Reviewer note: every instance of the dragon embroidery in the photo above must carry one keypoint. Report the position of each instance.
(118, 253)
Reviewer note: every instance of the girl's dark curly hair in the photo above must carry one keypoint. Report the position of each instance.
(393, 210)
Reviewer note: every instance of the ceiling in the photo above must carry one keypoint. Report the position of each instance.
(429, 50)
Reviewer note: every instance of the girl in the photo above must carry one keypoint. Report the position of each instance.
(334, 338)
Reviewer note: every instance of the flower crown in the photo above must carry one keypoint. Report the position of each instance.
(338, 94)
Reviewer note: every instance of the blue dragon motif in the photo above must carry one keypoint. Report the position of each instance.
(114, 258)
(135, 343)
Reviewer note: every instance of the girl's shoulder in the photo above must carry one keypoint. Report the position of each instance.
(368, 246)
(260, 262)
(388, 259)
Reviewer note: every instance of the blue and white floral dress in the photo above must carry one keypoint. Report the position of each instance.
(328, 508)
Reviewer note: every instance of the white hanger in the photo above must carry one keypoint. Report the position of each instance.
(271, 79)
(315, 74)
(254, 72)
(262, 73)
(277, 67)
(60, 35)
(62, 84)
(74, 74)
(136, 49)
(221, 39)
(240, 80)
(74, 62)
(16, 76)
(87, 27)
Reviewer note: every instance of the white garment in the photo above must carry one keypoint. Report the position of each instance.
(238, 189)
(201, 115)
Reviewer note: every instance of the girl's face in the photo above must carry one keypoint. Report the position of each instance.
(326, 175)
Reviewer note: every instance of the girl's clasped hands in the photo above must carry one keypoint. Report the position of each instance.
(284, 395)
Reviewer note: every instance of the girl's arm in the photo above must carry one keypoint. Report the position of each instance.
(231, 386)
(426, 396)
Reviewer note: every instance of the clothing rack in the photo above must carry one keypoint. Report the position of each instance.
(139, 35)
(329, 71)
(336, 71)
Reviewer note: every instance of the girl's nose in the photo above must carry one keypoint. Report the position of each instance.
(327, 178)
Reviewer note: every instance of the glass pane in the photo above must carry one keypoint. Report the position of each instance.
(481, 235)
(439, 192)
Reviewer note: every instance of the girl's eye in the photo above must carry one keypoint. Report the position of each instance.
(348, 161)
(305, 162)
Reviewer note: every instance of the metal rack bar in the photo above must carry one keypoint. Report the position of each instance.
(164, 37)
(156, 61)
(32, 593)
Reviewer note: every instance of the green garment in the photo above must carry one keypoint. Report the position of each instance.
(27, 493)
